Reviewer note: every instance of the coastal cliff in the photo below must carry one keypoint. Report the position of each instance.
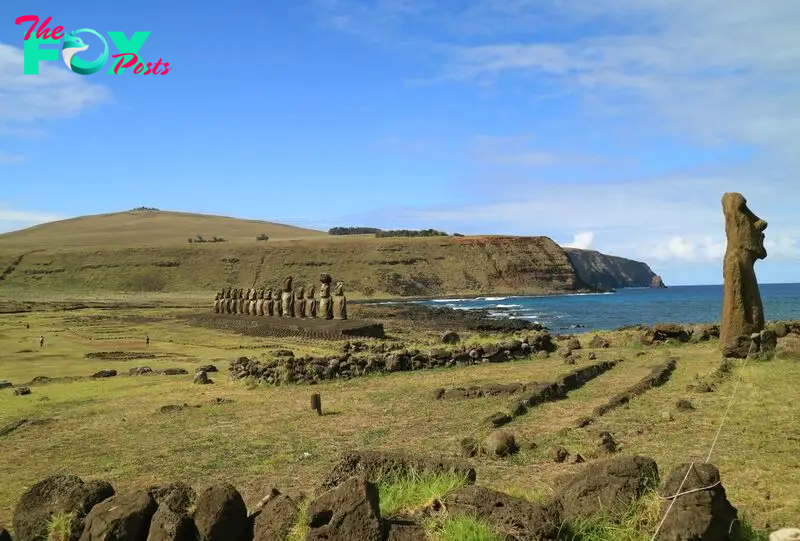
(612, 272)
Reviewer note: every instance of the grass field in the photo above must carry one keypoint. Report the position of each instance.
(112, 429)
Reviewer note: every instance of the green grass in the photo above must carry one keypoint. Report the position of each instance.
(462, 528)
(59, 528)
(405, 494)
(111, 429)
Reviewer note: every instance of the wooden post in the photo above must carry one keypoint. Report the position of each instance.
(316, 403)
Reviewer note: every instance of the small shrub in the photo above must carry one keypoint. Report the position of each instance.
(412, 491)
(262, 236)
(462, 528)
(59, 528)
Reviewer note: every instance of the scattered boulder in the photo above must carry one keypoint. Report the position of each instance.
(4, 535)
(518, 517)
(739, 347)
(450, 337)
(169, 525)
(140, 370)
(780, 329)
(350, 511)
(573, 343)
(178, 497)
(221, 515)
(610, 484)
(275, 519)
(501, 443)
(207, 368)
(104, 374)
(170, 408)
(120, 518)
(201, 378)
(705, 513)
(175, 371)
(55, 495)
(670, 331)
(592, 356)
(498, 419)
(542, 354)
(5, 384)
(704, 333)
(788, 347)
(607, 442)
(22, 391)
(598, 342)
(561, 455)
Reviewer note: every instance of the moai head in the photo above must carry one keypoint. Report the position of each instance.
(339, 289)
(287, 283)
(743, 229)
(260, 293)
(228, 293)
(268, 293)
(310, 291)
(240, 293)
(216, 296)
(301, 292)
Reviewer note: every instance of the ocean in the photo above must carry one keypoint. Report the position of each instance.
(603, 311)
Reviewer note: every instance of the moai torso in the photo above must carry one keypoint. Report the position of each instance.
(253, 303)
(742, 309)
(339, 302)
(325, 304)
(216, 303)
(269, 303)
(278, 303)
(240, 302)
(260, 302)
(311, 303)
(300, 302)
(227, 305)
(287, 298)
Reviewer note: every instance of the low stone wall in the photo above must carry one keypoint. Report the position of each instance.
(348, 365)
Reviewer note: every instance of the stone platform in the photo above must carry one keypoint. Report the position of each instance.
(329, 329)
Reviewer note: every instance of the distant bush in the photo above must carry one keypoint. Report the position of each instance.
(146, 208)
(457, 235)
(368, 291)
(201, 238)
(353, 230)
(262, 236)
(411, 233)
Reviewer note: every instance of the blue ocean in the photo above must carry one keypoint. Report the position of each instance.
(603, 311)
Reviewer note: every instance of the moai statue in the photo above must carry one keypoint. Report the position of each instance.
(276, 294)
(325, 303)
(339, 302)
(300, 302)
(216, 303)
(269, 303)
(311, 302)
(240, 302)
(246, 303)
(260, 302)
(287, 298)
(254, 302)
(235, 300)
(227, 305)
(742, 310)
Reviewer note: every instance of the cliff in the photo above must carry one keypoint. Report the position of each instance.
(612, 272)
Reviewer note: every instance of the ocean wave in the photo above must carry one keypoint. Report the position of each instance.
(491, 298)
(508, 306)
(449, 300)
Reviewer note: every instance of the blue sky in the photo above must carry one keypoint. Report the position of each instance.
(616, 125)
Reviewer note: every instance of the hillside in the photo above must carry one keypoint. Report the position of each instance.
(146, 228)
(606, 271)
(148, 251)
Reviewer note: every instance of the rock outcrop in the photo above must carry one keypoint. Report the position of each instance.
(611, 272)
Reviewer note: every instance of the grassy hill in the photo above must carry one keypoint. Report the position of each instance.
(146, 228)
(148, 251)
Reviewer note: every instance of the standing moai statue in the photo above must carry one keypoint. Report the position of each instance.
(260, 302)
(235, 300)
(300, 302)
(228, 304)
(240, 302)
(216, 303)
(246, 303)
(742, 310)
(339, 302)
(287, 298)
(276, 294)
(254, 302)
(269, 303)
(311, 302)
(325, 303)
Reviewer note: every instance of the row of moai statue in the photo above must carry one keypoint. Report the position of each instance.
(299, 303)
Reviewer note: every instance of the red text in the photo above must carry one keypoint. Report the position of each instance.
(134, 61)
(44, 32)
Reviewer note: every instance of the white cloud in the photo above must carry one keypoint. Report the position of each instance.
(581, 240)
(55, 92)
(28, 217)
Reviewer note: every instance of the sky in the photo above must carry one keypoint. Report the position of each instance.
(614, 125)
